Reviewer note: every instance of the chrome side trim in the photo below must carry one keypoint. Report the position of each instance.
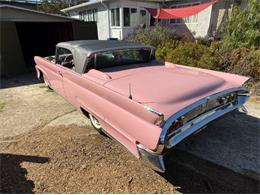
(150, 109)
(168, 123)
(160, 115)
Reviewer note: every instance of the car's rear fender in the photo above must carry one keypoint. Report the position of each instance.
(168, 141)
(203, 119)
(39, 67)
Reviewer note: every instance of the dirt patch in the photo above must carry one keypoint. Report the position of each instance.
(73, 160)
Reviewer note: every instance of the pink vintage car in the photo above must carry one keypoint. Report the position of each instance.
(146, 105)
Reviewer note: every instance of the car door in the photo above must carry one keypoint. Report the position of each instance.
(57, 80)
(63, 58)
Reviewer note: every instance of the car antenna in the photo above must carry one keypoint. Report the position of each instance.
(130, 92)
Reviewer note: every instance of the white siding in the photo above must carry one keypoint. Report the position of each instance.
(200, 29)
(103, 23)
(122, 32)
(208, 21)
(196, 29)
(102, 19)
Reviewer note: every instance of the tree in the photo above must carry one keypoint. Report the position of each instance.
(242, 29)
(54, 6)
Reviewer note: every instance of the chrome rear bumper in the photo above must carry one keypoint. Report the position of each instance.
(156, 159)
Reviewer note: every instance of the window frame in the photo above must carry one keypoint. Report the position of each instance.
(129, 16)
(88, 15)
(145, 16)
(60, 62)
(114, 15)
(94, 56)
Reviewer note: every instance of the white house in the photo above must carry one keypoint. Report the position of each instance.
(118, 18)
(115, 18)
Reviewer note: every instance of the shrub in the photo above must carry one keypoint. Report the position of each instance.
(242, 28)
(244, 61)
(165, 50)
(188, 53)
(154, 36)
(217, 55)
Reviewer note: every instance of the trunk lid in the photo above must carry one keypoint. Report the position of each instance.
(166, 89)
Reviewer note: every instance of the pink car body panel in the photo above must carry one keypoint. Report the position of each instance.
(168, 88)
(114, 111)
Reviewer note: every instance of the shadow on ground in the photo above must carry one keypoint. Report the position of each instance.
(223, 158)
(26, 79)
(13, 176)
(195, 175)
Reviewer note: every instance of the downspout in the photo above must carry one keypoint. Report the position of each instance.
(108, 18)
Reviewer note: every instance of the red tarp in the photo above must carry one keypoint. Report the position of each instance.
(171, 13)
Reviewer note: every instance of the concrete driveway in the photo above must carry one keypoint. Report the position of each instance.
(232, 142)
(27, 106)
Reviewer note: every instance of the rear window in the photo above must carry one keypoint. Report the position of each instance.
(122, 57)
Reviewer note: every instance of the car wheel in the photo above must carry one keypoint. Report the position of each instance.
(46, 82)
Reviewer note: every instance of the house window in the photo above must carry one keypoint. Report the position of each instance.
(115, 17)
(187, 20)
(143, 17)
(133, 10)
(127, 17)
(89, 15)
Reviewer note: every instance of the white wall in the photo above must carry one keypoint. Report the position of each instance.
(197, 29)
(122, 32)
(105, 30)
(200, 29)
(103, 23)
(102, 19)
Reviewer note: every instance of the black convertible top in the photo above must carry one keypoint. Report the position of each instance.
(82, 49)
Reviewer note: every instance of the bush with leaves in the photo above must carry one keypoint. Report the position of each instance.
(242, 29)
(188, 53)
(243, 61)
(54, 6)
(154, 36)
(237, 53)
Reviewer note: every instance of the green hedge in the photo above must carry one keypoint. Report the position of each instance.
(200, 53)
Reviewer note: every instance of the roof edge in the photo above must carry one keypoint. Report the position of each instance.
(82, 5)
(36, 11)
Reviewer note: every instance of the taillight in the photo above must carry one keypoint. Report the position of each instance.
(175, 125)
(227, 99)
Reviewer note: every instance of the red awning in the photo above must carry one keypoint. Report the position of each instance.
(171, 13)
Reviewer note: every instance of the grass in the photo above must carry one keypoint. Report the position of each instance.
(2, 105)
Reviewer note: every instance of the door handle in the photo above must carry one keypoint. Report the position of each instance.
(59, 72)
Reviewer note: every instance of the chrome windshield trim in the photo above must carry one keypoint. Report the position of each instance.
(185, 110)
